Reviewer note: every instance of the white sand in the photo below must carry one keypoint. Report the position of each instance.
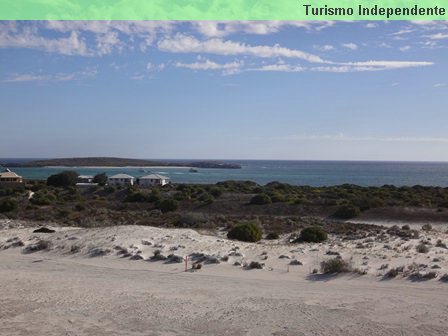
(58, 292)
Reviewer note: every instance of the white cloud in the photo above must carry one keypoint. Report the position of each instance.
(106, 43)
(137, 77)
(155, 67)
(371, 25)
(58, 77)
(405, 48)
(384, 45)
(350, 45)
(438, 85)
(391, 64)
(15, 78)
(72, 36)
(73, 44)
(208, 65)
(225, 28)
(280, 67)
(438, 36)
(430, 25)
(226, 68)
(326, 47)
(370, 66)
(181, 43)
(402, 32)
(238, 67)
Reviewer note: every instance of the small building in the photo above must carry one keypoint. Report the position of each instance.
(121, 180)
(9, 178)
(85, 179)
(153, 180)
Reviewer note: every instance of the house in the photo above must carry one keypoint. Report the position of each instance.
(153, 180)
(9, 178)
(121, 180)
(85, 179)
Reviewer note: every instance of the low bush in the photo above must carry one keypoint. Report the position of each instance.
(427, 227)
(334, 266)
(7, 205)
(216, 192)
(43, 197)
(422, 248)
(393, 272)
(41, 245)
(248, 232)
(191, 219)
(255, 265)
(168, 205)
(110, 189)
(206, 198)
(137, 197)
(346, 211)
(260, 199)
(313, 234)
(154, 196)
(80, 207)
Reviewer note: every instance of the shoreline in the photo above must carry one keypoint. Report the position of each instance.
(118, 167)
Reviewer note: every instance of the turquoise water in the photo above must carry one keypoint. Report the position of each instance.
(314, 173)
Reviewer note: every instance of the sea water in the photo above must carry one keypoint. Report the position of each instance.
(313, 173)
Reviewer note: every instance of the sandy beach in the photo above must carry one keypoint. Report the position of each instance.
(90, 282)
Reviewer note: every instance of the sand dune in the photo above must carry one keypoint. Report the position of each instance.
(86, 283)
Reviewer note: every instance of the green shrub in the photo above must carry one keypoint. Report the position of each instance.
(42, 197)
(137, 197)
(335, 265)
(260, 199)
(64, 179)
(422, 248)
(191, 219)
(427, 227)
(277, 197)
(7, 192)
(216, 192)
(206, 198)
(101, 179)
(248, 232)
(80, 207)
(313, 234)
(8, 205)
(110, 189)
(168, 205)
(154, 196)
(346, 211)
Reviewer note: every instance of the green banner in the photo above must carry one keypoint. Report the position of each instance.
(223, 10)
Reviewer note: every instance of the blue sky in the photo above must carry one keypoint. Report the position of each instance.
(233, 90)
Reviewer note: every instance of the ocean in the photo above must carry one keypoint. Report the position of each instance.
(312, 173)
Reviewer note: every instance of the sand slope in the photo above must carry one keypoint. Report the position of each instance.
(58, 292)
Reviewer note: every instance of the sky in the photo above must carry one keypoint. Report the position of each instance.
(225, 90)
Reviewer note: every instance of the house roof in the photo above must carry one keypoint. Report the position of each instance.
(154, 177)
(122, 176)
(8, 174)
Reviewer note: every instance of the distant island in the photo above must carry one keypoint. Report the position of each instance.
(119, 162)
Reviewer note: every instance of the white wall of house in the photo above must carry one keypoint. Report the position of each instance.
(120, 181)
(152, 182)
